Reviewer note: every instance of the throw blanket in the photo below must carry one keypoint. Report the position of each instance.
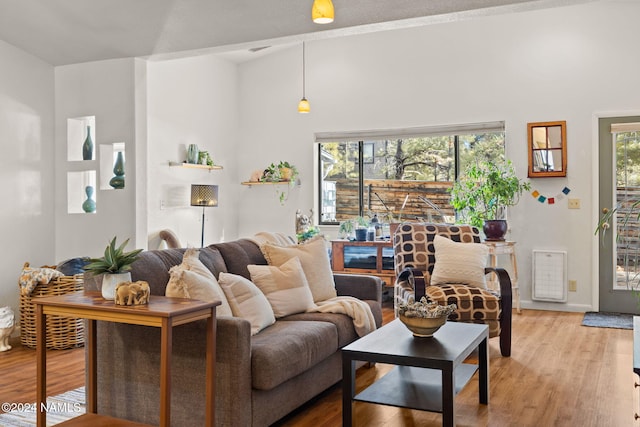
(358, 310)
(32, 277)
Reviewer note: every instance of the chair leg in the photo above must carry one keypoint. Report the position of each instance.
(506, 309)
(505, 340)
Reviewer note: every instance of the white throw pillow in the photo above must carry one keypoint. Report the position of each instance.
(315, 262)
(459, 263)
(285, 287)
(247, 301)
(193, 280)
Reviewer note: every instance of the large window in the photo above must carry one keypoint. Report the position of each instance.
(399, 175)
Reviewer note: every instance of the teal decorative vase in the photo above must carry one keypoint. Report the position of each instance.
(192, 153)
(87, 147)
(89, 205)
(117, 181)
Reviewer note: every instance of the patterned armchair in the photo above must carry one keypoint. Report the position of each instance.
(415, 258)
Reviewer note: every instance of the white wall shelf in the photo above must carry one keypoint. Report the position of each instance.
(194, 166)
(252, 183)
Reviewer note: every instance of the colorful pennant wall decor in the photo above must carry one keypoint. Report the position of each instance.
(550, 200)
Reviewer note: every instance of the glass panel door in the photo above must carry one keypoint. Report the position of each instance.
(618, 185)
(627, 248)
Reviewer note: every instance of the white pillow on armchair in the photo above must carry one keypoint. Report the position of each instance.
(459, 263)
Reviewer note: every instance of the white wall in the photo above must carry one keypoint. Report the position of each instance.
(557, 64)
(27, 165)
(192, 101)
(106, 90)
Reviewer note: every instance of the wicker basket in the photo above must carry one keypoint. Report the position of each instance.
(62, 332)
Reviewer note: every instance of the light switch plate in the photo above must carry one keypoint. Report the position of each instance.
(574, 203)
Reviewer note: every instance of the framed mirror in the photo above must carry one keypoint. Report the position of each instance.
(547, 149)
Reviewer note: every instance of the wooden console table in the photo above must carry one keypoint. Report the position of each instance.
(505, 248)
(364, 257)
(161, 312)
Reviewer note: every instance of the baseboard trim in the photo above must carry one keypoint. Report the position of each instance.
(555, 306)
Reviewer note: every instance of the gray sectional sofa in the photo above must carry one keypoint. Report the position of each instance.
(259, 379)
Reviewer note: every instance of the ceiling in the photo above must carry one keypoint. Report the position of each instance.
(64, 32)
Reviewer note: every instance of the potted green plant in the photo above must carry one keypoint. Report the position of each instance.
(483, 192)
(288, 172)
(114, 266)
(345, 230)
(281, 172)
(362, 224)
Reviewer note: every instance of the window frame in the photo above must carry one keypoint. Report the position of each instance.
(363, 137)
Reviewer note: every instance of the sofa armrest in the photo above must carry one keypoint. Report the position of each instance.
(233, 371)
(359, 286)
(131, 390)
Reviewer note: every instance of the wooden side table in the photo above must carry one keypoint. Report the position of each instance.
(505, 248)
(429, 372)
(161, 312)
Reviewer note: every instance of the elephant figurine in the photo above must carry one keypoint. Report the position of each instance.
(132, 293)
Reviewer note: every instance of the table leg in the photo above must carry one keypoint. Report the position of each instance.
(516, 287)
(211, 372)
(448, 398)
(348, 390)
(92, 378)
(493, 258)
(165, 373)
(483, 361)
(41, 370)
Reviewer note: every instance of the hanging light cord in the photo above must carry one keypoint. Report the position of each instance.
(303, 72)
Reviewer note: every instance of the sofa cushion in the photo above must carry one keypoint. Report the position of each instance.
(342, 322)
(285, 287)
(191, 279)
(238, 254)
(247, 301)
(153, 266)
(315, 263)
(288, 348)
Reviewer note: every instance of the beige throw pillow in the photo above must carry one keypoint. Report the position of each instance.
(247, 301)
(285, 287)
(459, 263)
(314, 258)
(192, 279)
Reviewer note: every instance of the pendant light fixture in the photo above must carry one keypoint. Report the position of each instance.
(322, 11)
(303, 105)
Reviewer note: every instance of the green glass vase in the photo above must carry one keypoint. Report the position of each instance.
(117, 181)
(87, 147)
(89, 205)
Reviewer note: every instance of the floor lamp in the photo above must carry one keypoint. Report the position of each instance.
(205, 196)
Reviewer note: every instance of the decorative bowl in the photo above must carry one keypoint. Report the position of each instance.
(424, 317)
(423, 326)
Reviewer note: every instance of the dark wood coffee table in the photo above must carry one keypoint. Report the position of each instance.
(430, 371)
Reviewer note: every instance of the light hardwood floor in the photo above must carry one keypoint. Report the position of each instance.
(560, 374)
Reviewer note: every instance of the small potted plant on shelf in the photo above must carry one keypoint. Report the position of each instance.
(114, 266)
(204, 158)
(282, 172)
(288, 172)
(482, 194)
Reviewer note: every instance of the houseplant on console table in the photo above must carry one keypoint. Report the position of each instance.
(482, 194)
(114, 266)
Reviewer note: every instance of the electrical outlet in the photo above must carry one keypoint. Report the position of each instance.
(574, 203)
(573, 285)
